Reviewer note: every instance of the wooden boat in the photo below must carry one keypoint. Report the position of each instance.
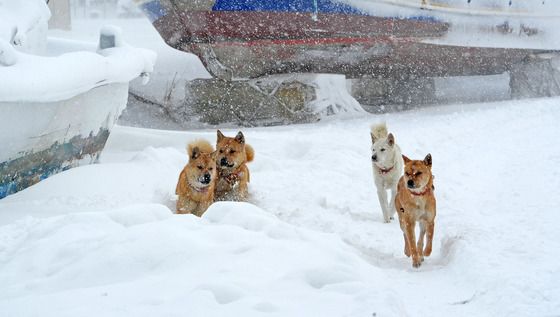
(58, 111)
(239, 39)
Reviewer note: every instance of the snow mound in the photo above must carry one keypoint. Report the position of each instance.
(331, 99)
(101, 240)
(226, 262)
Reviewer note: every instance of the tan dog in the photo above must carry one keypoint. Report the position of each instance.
(233, 174)
(415, 202)
(197, 180)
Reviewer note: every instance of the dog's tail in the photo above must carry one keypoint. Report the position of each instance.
(378, 131)
(249, 152)
(202, 145)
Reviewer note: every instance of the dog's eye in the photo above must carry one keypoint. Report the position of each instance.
(382, 150)
(231, 151)
(200, 167)
(417, 173)
(211, 169)
(221, 151)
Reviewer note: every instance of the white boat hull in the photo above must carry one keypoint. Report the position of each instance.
(40, 139)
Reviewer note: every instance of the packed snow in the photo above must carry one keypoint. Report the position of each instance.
(172, 69)
(480, 23)
(50, 78)
(24, 23)
(103, 239)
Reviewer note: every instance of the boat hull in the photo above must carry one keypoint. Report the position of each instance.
(253, 42)
(45, 138)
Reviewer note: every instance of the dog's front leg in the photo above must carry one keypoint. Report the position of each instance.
(242, 192)
(185, 205)
(182, 203)
(382, 195)
(430, 237)
(392, 209)
(203, 206)
(411, 241)
(420, 244)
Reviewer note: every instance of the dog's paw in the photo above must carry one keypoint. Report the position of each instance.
(417, 261)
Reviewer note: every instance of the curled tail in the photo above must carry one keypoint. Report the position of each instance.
(378, 131)
(249, 152)
(203, 146)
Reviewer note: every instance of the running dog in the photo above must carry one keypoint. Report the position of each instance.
(197, 180)
(387, 163)
(233, 174)
(416, 202)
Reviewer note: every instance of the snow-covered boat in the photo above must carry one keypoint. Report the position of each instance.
(58, 99)
(384, 38)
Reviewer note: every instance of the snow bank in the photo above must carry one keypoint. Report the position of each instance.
(52, 78)
(101, 240)
(161, 264)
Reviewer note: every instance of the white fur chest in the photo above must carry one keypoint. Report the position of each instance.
(420, 210)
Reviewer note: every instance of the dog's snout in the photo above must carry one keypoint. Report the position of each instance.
(206, 178)
(374, 157)
(410, 183)
(224, 162)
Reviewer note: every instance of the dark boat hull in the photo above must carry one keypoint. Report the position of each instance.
(250, 44)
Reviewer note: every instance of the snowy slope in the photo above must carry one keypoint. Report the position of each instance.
(101, 240)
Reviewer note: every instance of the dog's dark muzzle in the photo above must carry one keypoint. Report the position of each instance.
(206, 178)
(410, 183)
(224, 163)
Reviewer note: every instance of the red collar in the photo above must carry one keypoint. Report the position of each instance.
(232, 178)
(426, 189)
(385, 171)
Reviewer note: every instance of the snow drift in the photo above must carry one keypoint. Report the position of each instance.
(102, 240)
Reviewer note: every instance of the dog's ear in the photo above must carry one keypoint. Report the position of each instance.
(239, 137)
(372, 138)
(391, 139)
(195, 152)
(428, 160)
(405, 159)
(220, 135)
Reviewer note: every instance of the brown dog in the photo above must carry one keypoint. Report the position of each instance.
(197, 180)
(415, 202)
(233, 174)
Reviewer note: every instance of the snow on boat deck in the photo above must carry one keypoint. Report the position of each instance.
(102, 240)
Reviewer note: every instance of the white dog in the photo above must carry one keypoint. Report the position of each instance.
(387, 163)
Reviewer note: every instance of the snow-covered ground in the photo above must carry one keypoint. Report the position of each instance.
(102, 240)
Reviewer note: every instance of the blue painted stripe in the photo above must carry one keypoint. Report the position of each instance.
(307, 6)
(153, 10)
